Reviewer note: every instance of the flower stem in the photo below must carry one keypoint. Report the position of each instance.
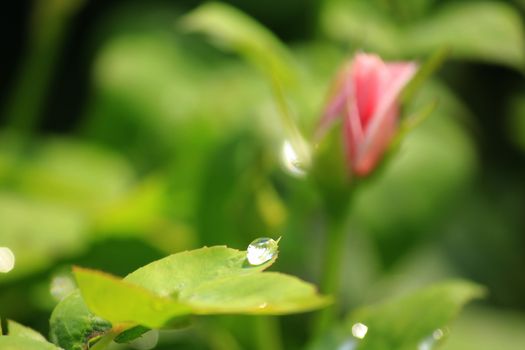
(268, 333)
(331, 279)
(290, 127)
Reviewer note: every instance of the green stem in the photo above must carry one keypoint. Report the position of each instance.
(331, 278)
(267, 333)
(292, 131)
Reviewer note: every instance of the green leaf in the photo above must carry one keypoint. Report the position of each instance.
(23, 338)
(487, 329)
(60, 184)
(67, 227)
(73, 326)
(403, 323)
(131, 334)
(76, 174)
(231, 28)
(17, 330)
(126, 304)
(268, 293)
(485, 31)
(215, 280)
(9, 342)
(180, 274)
(482, 31)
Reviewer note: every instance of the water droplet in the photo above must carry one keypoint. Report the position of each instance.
(7, 260)
(349, 344)
(438, 334)
(261, 250)
(291, 162)
(430, 342)
(263, 305)
(61, 286)
(426, 344)
(146, 341)
(359, 330)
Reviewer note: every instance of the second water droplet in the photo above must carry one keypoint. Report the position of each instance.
(291, 162)
(431, 341)
(7, 260)
(61, 286)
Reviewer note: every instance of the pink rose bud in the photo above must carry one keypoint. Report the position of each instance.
(366, 95)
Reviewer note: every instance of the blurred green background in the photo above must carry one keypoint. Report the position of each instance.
(124, 139)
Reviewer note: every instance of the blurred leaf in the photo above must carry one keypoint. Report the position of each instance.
(361, 25)
(74, 173)
(231, 28)
(228, 208)
(54, 232)
(136, 211)
(487, 329)
(150, 83)
(8, 342)
(203, 281)
(406, 9)
(485, 241)
(483, 31)
(73, 326)
(271, 207)
(17, 330)
(144, 211)
(402, 324)
(486, 31)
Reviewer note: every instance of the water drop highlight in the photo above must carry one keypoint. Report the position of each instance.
(61, 286)
(349, 344)
(291, 162)
(431, 341)
(359, 330)
(7, 260)
(261, 250)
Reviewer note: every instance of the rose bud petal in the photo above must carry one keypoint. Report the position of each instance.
(366, 96)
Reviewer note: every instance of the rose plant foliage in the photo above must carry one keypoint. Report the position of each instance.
(170, 293)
